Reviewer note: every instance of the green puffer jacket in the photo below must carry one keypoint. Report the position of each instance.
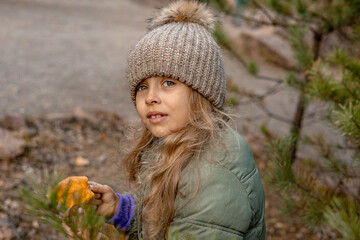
(230, 201)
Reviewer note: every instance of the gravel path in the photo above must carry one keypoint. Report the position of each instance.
(57, 55)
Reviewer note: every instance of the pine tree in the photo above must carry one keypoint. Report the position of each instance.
(319, 204)
(343, 92)
(334, 79)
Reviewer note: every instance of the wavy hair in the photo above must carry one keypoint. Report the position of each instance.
(172, 155)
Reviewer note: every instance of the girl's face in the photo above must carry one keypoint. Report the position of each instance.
(163, 105)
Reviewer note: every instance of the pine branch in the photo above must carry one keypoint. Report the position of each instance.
(343, 215)
(348, 89)
(324, 19)
(275, 22)
(356, 124)
(264, 23)
(308, 192)
(262, 9)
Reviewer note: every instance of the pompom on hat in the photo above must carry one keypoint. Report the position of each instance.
(180, 45)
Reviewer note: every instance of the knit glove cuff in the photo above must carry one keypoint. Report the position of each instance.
(124, 214)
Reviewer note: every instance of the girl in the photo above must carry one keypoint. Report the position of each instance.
(192, 176)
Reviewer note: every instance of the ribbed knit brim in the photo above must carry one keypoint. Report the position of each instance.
(184, 51)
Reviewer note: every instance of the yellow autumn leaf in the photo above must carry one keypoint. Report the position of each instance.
(77, 190)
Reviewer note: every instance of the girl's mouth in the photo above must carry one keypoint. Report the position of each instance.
(156, 117)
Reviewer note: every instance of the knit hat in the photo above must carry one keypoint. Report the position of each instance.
(179, 45)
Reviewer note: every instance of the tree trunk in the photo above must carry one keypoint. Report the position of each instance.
(297, 124)
(301, 106)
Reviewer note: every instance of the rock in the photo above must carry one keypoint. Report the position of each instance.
(260, 43)
(299, 236)
(114, 118)
(15, 205)
(102, 159)
(81, 162)
(7, 202)
(333, 40)
(35, 224)
(81, 114)
(231, 3)
(14, 121)
(10, 146)
(6, 233)
(266, 43)
(279, 225)
(3, 219)
(58, 116)
(30, 132)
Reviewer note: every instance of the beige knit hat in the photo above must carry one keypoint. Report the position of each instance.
(180, 45)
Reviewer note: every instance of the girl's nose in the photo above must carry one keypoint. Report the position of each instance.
(152, 96)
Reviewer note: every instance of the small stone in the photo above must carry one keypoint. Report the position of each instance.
(80, 161)
(10, 146)
(30, 132)
(15, 205)
(58, 116)
(81, 114)
(32, 233)
(3, 220)
(279, 225)
(299, 236)
(35, 224)
(102, 158)
(7, 202)
(14, 121)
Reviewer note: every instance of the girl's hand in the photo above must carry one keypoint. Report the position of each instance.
(105, 199)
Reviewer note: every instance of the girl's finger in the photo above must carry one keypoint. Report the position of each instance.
(98, 196)
(96, 201)
(98, 188)
(91, 183)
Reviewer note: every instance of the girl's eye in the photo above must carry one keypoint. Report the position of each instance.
(141, 88)
(169, 83)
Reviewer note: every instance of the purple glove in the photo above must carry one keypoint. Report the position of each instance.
(125, 212)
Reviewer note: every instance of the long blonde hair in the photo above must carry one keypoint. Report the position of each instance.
(173, 154)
